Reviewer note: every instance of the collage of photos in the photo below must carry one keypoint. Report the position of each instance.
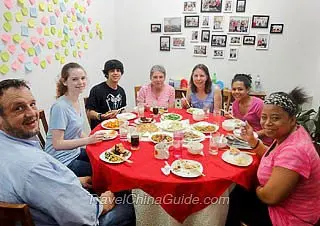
(222, 31)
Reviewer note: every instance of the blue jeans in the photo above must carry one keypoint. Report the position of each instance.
(81, 166)
(122, 214)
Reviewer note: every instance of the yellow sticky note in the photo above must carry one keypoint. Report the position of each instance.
(57, 56)
(31, 23)
(66, 38)
(50, 7)
(74, 53)
(71, 26)
(53, 30)
(90, 35)
(16, 38)
(100, 36)
(42, 6)
(66, 1)
(24, 11)
(5, 56)
(62, 60)
(7, 26)
(74, 18)
(65, 19)
(63, 43)
(55, 1)
(83, 37)
(86, 45)
(66, 52)
(19, 16)
(60, 33)
(50, 45)
(76, 5)
(46, 31)
(21, 3)
(4, 69)
(78, 45)
(8, 16)
(31, 51)
(43, 64)
(81, 9)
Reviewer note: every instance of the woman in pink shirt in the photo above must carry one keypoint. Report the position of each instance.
(289, 171)
(157, 93)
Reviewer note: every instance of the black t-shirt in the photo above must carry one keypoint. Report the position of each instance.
(103, 98)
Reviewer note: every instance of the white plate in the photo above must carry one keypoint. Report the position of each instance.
(109, 134)
(161, 133)
(184, 172)
(172, 126)
(191, 110)
(104, 123)
(126, 116)
(204, 124)
(167, 116)
(241, 159)
(138, 121)
(103, 157)
(237, 133)
(201, 138)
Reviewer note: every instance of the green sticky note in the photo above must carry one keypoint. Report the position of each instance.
(31, 51)
(19, 17)
(74, 18)
(31, 23)
(66, 1)
(74, 53)
(21, 3)
(86, 45)
(57, 56)
(63, 43)
(7, 26)
(81, 9)
(76, 5)
(65, 19)
(60, 33)
(62, 60)
(50, 7)
(4, 69)
(78, 45)
(66, 52)
(43, 64)
(46, 31)
(50, 45)
(100, 36)
(8, 16)
(53, 30)
(71, 26)
(42, 6)
(16, 38)
(5, 56)
(90, 35)
(24, 11)
(66, 38)
(55, 1)
(83, 37)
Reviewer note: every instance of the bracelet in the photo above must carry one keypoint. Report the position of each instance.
(258, 142)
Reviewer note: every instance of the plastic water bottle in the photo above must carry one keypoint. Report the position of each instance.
(214, 78)
(257, 84)
(177, 144)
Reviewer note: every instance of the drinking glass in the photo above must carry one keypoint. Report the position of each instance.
(123, 130)
(206, 109)
(214, 143)
(217, 117)
(135, 140)
(140, 110)
(177, 144)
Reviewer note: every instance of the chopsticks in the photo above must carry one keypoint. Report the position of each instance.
(122, 158)
(120, 109)
(184, 97)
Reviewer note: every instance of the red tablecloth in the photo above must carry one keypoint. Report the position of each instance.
(144, 173)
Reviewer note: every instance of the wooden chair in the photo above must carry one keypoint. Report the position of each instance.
(10, 214)
(44, 123)
(136, 90)
(227, 98)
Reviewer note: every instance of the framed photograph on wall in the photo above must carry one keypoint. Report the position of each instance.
(260, 21)
(205, 21)
(164, 43)
(191, 21)
(233, 54)
(228, 6)
(211, 6)
(239, 24)
(262, 41)
(218, 53)
(155, 28)
(235, 40)
(241, 6)
(276, 28)
(172, 25)
(194, 36)
(190, 7)
(219, 40)
(249, 40)
(205, 35)
(200, 50)
(218, 23)
(178, 42)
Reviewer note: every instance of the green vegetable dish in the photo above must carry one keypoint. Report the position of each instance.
(172, 117)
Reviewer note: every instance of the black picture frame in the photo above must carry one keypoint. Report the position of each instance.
(219, 40)
(211, 6)
(249, 40)
(276, 28)
(165, 43)
(205, 35)
(241, 8)
(260, 21)
(155, 28)
(191, 21)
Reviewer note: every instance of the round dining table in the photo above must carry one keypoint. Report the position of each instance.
(180, 197)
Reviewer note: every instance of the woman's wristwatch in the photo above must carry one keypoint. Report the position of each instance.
(99, 116)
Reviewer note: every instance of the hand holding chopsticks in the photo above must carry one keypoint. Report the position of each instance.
(184, 97)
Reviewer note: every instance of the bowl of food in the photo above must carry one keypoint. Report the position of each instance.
(195, 148)
(232, 124)
(198, 115)
(220, 142)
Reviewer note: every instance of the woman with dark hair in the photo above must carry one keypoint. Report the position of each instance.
(65, 136)
(246, 107)
(289, 172)
(201, 94)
